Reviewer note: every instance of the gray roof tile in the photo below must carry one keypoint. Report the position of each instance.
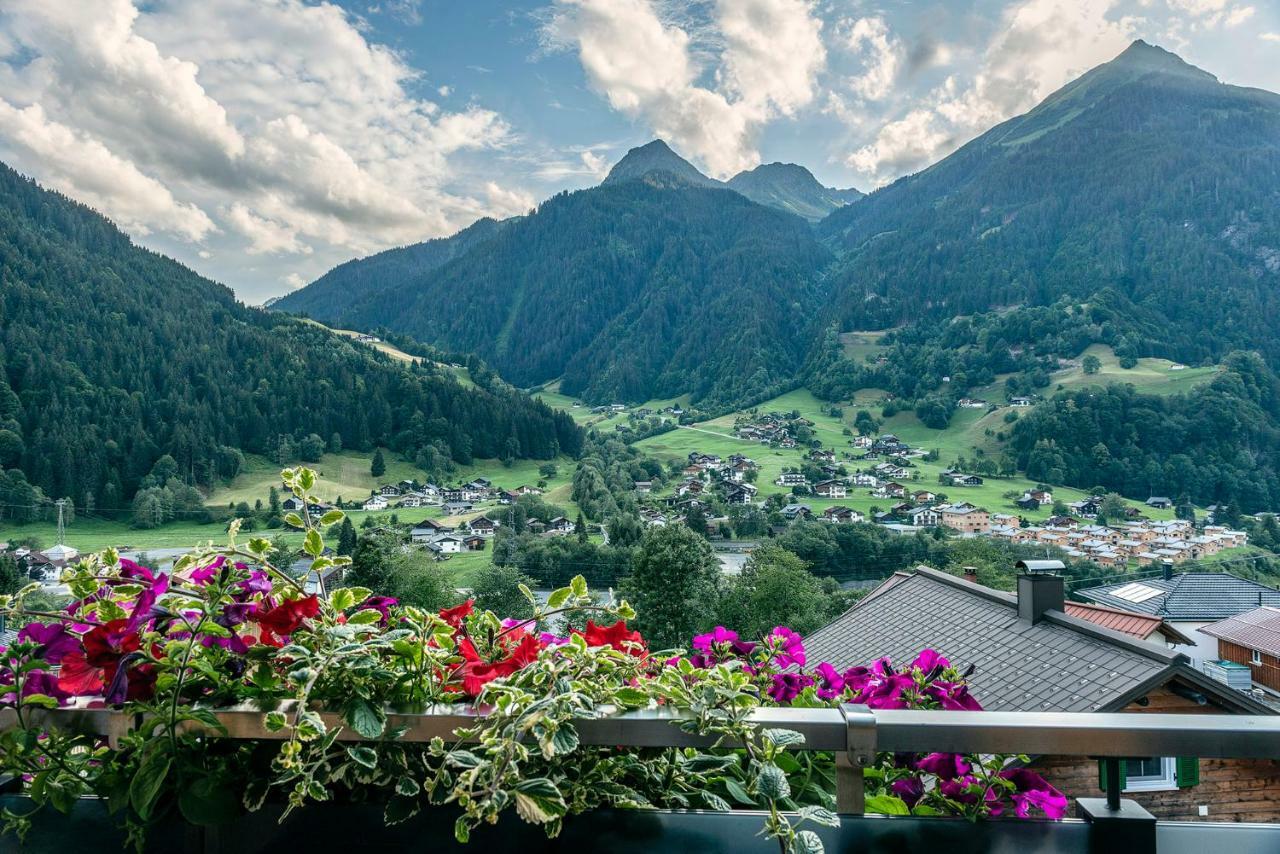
(1189, 596)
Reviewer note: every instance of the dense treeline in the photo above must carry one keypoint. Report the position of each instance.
(634, 290)
(1216, 445)
(112, 357)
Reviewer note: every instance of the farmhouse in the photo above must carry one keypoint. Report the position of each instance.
(791, 478)
(831, 489)
(375, 502)
(842, 515)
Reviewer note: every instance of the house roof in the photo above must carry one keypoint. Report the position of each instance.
(1257, 629)
(1129, 623)
(1186, 596)
(1059, 664)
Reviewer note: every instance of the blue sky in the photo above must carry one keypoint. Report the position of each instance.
(263, 141)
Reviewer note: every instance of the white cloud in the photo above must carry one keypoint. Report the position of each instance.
(882, 55)
(1040, 46)
(83, 167)
(293, 280)
(1269, 37)
(1212, 13)
(645, 67)
(280, 116)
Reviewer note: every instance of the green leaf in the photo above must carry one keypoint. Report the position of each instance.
(147, 781)
(293, 520)
(630, 697)
(705, 763)
(332, 517)
(579, 586)
(43, 700)
(564, 740)
(255, 793)
(783, 738)
(364, 618)
(401, 809)
(208, 801)
(361, 755)
(820, 815)
(886, 805)
(408, 787)
(738, 792)
(806, 842)
(771, 783)
(537, 786)
(558, 597)
(342, 599)
(364, 717)
(716, 802)
(527, 594)
(314, 543)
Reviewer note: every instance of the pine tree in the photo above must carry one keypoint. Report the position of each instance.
(346, 537)
(580, 528)
(378, 467)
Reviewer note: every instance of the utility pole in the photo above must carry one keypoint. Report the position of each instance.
(62, 524)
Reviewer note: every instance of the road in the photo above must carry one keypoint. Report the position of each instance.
(714, 433)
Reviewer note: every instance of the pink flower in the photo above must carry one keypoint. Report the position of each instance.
(789, 646)
(945, 766)
(928, 660)
(910, 789)
(830, 681)
(787, 686)
(1034, 792)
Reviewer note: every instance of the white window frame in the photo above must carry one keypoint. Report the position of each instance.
(1167, 781)
(1255, 657)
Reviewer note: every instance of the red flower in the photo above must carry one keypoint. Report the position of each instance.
(615, 636)
(286, 618)
(476, 672)
(77, 677)
(455, 615)
(104, 647)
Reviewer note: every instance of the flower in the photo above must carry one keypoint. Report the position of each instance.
(945, 766)
(830, 681)
(1032, 791)
(615, 636)
(476, 672)
(54, 639)
(928, 660)
(108, 650)
(785, 687)
(286, 618)
(381, 604)
(204, 574)
(789, 646)
(455, 615)
(910, 789)
(953, 696)
(716, 637)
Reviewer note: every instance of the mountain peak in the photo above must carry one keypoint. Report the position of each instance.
(655, 156)
(1142, 56)
(790, 187)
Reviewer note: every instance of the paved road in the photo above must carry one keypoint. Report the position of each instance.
(714, 433)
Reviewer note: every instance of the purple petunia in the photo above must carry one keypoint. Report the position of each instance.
(789, 646)
(54, 639)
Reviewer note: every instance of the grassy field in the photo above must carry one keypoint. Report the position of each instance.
(858, 346)
(965, 433)
(91, 535)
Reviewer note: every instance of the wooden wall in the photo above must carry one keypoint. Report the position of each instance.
(1267, 673)
(1232, 789)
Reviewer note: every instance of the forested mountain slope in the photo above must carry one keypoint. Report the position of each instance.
(1145, 175)
(636, 289)
(112, 356)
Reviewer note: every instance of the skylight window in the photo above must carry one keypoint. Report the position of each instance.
(1136, 592)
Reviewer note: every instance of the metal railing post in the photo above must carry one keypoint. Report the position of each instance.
(859, 752)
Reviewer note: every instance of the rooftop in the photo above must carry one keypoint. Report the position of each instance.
(1138, 625)
(1257, 629)
(1186, 596)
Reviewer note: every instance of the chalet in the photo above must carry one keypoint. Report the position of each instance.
(524, 489)
(1031, 656)
(887, 443)
(446, 544)
(1251, 640)
(482, 526)
(924, 496)
(389, 490)
(924, 517)
(740, 493)
(965, 518)
(831, 489)
(842, 515)
(1146, 627)
(1020, 401)
(1041, 497)
(474, 542)
(822, 455)
(791, 478)
(375, 502)
(506, 496)
(453, 508)
(427, 530)
(889, 470)
(690, 486)
(60, 555)
(1159, 502)
(644, 487)
(697, 459)
(792, 512)
(560, 525)
(961, 479)
(407, 486)
(1188, 601)
(891, 490)
(1026, 503)
(294, 505)
(1087, 508)
(536, 526)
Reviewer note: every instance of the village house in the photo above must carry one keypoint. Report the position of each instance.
(971, 403)
(453, 508)
(740, 493)
(474, 542)
(1141, 626)
(792, 512)
(389, 490)
(1188, 601)
(864, 479)
(643, 487)
(1250, 640)
(924, 517)
(791, 478)
(831, 489)
(1159, 502)
(842, 515)
(427, 530)
(560, 525)
(923, 496)
(1029, 655)
(890, 490)
(375, 502)
(446, 544)
(1020, 401)
(482, 526)
(965, 518)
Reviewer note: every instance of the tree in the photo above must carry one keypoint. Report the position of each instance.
(1091, 364)
(346, 537)
(548, 470)
(580, 528)
(11, 577)
(372, 562)
(625, 529)
(674, 585)
(378, 467)
(311, 448)
(696, 521)
(775, 588)
(1113, 507)
(497, 589)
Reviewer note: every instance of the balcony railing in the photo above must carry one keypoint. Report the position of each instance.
(855, 734)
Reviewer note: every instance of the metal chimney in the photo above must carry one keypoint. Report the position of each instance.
(1040, 589)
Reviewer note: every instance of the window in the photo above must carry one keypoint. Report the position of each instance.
(1154, 774)
(1255, 657)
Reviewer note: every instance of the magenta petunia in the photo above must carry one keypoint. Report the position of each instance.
(788, 646)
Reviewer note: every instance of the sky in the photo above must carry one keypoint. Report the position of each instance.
(262, 142)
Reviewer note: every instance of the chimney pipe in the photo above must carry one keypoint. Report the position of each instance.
(971, 574)
(1167, 566)
(1039, 590)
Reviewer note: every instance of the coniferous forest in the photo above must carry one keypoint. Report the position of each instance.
(113, 358)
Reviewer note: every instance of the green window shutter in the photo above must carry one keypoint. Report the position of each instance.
(1102, 774)
(1188, 771)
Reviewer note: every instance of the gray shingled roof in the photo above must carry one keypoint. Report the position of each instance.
(1061, 664)
(1257, 629)
(1189, 596)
